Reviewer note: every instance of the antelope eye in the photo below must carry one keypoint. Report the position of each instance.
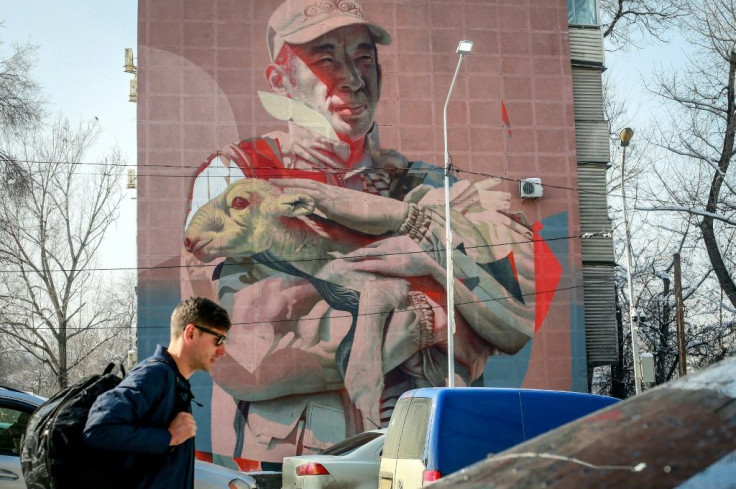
(239, 203)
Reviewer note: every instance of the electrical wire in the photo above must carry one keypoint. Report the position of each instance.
(347, 314)
(327, 170)
(313, 260)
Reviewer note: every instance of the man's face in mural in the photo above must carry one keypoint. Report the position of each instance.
(336, 75)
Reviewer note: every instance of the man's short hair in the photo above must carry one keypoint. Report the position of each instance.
(302, 21)
(199, 310)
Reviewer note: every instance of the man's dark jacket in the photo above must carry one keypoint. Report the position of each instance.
(133, 419)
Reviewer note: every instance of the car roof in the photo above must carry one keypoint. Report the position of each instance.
(17, 395)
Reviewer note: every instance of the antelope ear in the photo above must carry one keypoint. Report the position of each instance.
(293, 205)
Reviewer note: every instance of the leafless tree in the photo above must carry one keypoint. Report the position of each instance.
(629, 22)
(702, 137)
(21, 109)
(681, 195)
(651, 178)
(710, 329)
(54, 306)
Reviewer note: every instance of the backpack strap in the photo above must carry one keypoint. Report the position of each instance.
(111, 366)
(183, 388)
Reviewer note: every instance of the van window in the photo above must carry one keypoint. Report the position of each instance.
(414, 432)
(407, 430)
(393, 433)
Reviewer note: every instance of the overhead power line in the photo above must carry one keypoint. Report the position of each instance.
(144, 174)
(334, 314)
(312, 260)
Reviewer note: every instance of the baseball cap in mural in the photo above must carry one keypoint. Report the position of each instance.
(301, 21)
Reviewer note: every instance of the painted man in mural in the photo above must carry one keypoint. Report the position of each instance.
(333, 248)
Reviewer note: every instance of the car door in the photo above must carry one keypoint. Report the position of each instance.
(14, 416)
(365, 464)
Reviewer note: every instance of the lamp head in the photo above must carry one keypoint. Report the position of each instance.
(464, 47)
(626, 134)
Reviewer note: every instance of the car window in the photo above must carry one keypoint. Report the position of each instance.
(12, 427)
(347, 446)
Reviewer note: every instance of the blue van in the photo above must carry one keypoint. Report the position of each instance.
(436, 431)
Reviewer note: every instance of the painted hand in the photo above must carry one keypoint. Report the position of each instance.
(367, 213)
(398, 256)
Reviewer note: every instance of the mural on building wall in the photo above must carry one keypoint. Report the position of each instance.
(328, 249)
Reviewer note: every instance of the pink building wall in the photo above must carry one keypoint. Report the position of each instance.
(201, 62)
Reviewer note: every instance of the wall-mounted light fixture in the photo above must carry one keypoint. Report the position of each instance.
(129, 67)
(131, 178)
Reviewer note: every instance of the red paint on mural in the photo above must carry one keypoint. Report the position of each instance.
(505, 118)
(547, 276)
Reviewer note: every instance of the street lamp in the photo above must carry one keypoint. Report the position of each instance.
(626, 135)
(463, 48)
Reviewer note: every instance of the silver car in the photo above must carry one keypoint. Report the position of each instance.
(350, 464)
(16, 408)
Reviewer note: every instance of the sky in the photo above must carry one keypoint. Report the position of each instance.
(80, 67)
(630, 71)
(80, 58)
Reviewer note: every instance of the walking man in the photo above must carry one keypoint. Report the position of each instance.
(147, 417)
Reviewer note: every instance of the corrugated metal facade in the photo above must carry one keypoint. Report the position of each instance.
(592, 192)
(591, 128)
(586, 44)
(588, 93)
(592, 141)
(600, 314)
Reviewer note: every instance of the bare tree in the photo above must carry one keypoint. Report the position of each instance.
(54, 306)
(627, 22)
(683, 194)
(703, 135)
(21, 109)
(710, 328)
(121, 300)
(652, 178)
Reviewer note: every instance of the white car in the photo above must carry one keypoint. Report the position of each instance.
(15, 410)
(213, 476)
(350, 464)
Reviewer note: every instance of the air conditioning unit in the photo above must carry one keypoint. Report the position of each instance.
(530, 188)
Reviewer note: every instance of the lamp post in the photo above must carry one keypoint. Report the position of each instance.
(626, 135)
(463, 48)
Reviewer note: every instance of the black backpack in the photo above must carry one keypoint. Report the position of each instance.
(53, 455)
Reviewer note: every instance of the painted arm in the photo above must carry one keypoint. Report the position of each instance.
(494, 290)
(284, 339)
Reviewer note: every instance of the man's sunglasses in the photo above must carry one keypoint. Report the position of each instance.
(221, 338)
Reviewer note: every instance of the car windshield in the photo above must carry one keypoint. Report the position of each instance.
(347, 446)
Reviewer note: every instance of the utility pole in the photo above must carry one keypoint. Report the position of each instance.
(680, 317)
(463, 48)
